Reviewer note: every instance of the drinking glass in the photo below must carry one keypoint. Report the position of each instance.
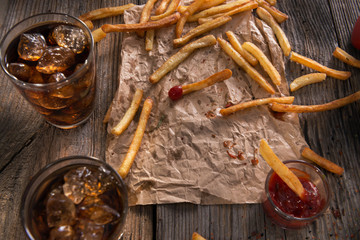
(315, 176)
(37, 192)
(65, 103)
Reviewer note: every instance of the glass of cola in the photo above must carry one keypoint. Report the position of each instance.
(77, 197)
(50, 59)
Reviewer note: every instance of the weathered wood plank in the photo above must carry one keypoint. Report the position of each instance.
(28, 143)
(320, 27)
(313, 31)
(315, 28)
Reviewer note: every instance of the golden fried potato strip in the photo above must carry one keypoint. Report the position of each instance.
(306, 80)
(342, 75)
(136, 142)
(149, 40)
(183, 19)
(245, 7)
(281, 169)
(162, 7)
(201, 29)
(130, 113)
(180, 56)
(278, 107)
(276, 13)
(197, 236)
(206, 5)
(264, 62)
(89, 24)
(253, 103)
(271, 2)
(237, 46)
(98, 35)
(164, 22)
(145, 14)
(106, 12)
(217, 77)
(108, 113)
(171, 9)
(346, 58)
(255, 75)
(279, 33)
(322, 162)
(218, 9)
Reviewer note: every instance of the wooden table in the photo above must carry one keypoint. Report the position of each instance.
(315, 28)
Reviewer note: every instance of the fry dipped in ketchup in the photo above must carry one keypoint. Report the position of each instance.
(175, 93)
(290, 203)
(291, 180)
(295, 195)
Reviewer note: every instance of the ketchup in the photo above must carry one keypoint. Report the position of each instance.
(355, 36)
(175, 93)
(285, 199)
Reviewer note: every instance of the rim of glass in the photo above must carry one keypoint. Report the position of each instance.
(287, 216)
(35, 182)
(72, 77)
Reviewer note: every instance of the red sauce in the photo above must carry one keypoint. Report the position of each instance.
(284, 198)
(175, 93)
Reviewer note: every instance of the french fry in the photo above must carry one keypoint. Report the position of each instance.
(279, 33)
(342, 75)
(106, 12)
(89, 24)
(253, 103)
(183, 19)
(255, 75)
(300, 173)
(164, 22)
(130, 113)
(322, 162)
(264, 62)
(245, 7)
(98, 35)
(186, 89)
(149, 40)
(108, 113)
(197, 236)
(204, 20)
(281, 169)
(278, 107)
(306, 80)
(271, 2)
(237, 46)
(162, 7)
(201, 29)
(218, 9)
(145, 14)
(171, 9)
(276, 13)
(180, 56)
(207, 4)
(346, 58)
(136, 142)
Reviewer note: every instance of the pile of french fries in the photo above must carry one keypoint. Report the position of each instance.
(211, 14)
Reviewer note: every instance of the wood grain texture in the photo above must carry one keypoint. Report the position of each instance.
(314, 29)
(333, 134)
(28, 143)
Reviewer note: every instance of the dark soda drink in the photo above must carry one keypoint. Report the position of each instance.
(81, 200)
(52, 65)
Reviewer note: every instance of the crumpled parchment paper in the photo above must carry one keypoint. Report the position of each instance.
(184, 153)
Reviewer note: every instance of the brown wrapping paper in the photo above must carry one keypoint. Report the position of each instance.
(183, 157)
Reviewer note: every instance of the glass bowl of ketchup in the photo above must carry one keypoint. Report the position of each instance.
(285, 208)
